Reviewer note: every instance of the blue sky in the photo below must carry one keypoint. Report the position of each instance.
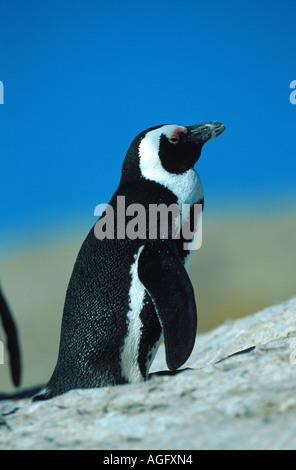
(82, 78)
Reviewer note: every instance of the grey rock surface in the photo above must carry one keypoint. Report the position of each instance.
(222, 401)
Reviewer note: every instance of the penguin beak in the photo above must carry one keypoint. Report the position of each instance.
(205, 131)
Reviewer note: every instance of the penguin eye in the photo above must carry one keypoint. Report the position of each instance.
(174, 140)
(175, 136)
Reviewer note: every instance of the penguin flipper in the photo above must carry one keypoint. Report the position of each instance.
(162, 272)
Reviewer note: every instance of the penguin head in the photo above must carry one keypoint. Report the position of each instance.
(168, 148)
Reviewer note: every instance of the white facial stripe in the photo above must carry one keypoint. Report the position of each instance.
(187, 186)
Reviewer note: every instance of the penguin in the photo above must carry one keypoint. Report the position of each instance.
(127, 295)
(13, 343)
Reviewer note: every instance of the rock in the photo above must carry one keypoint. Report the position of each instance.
(222, 400)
